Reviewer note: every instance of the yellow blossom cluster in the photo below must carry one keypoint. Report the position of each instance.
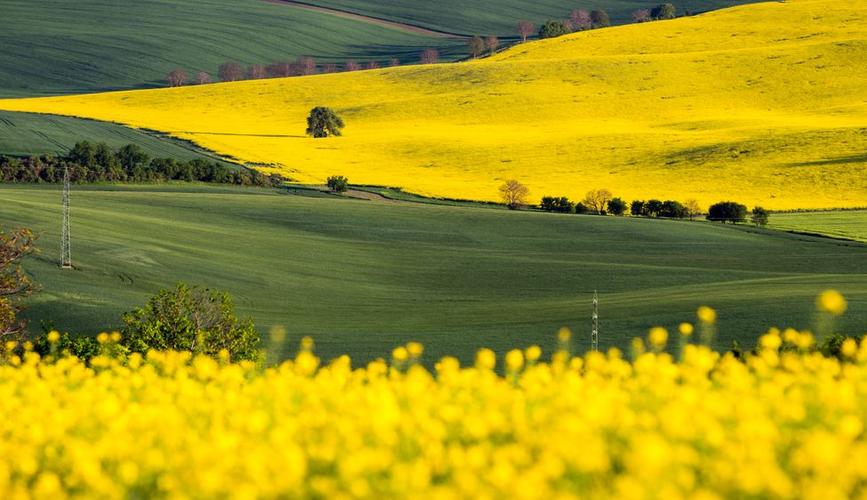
(783, 421)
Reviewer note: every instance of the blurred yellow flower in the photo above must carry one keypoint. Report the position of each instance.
(514, 360)
(832, 301)
(706, 315)
(486, 359)
(686, 329)
(658, 337)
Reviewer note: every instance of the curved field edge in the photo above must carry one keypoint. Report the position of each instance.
(364, 276)
(659, 110)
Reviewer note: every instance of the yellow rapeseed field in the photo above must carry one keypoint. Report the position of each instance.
(764, 104)
(783, 422)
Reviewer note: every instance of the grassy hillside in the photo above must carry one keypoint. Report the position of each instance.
(57, 46)
(364, 276)
(25, 134)
(501, 16)
(849, 224)
(751, 103)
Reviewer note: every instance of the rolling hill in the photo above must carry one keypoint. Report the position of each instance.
(363, 276)
(58, 47)
(763, 104)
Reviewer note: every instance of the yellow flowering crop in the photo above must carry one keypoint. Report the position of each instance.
(784, 422)
(763, 104)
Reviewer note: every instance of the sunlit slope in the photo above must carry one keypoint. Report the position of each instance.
(765, 104)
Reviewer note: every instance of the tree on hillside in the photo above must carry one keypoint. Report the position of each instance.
(514, 194)
(324, 122)
(599, 19)
(132, 158)
(673, 210)
(203, 78)
(429, 56)
(652, 208)
(553, 29)
(491, 44)
(256, 72)
(580, 20)
(476, 46)
(597, 199)
(14, 283)
(231, 72)
(640, 16)
(393, 62)
(371, 65)
(727, 211)
(193, 319)
(693, 210)
(525, 29)
(337, 184)
(637, 208)
(329, 68)
(557, 204)
(351, 66)
(759, 217)
(663, 11)
(177, 77)
(306, 65)
(616, 206)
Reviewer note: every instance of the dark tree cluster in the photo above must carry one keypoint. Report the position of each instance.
(668, 209)
(727, 211)
(89, 162)
(578, 20)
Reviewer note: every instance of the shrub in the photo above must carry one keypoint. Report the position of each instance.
(338, 184)
(557, 204)
(192, 319)
(663, 11)
(324, 122)
(759, 216)
(616, 206)
(553, 29)
(727, 211)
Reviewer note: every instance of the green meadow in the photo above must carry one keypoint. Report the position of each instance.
(363, 276)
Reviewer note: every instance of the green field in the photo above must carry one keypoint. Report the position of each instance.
(363, 276)
(501, 16)
(57, 46)
(26, 134)
(847, 224)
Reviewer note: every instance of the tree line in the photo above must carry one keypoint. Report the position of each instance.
(603, 202)
(581, 20)
(232, 71)
(88, 162)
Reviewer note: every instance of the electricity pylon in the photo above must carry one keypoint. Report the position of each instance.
(594, 333)
(65, 246)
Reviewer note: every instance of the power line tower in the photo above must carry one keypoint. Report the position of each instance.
(65, 246)
(594, 333)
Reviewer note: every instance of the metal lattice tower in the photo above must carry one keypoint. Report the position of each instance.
(594, 334)
(65, 246)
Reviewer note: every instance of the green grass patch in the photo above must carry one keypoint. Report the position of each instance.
(56, 46)
(847, 224)
(362, 276)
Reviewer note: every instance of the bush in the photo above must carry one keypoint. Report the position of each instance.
(727, 211)
(759, 217)
(338, 183)
(553, 29)
(616, 206)
(192, 319)
(557, 204)
(324, 122)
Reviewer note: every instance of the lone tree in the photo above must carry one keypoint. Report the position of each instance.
(177, 77)
(192, 319)
(663, 11)
(476, 46)
(430, 56)
(599, 19)
(597, 199)
(693, 210)
(323, 122)
(637, 208)
(514, 194)
(759, 217)
(553, 29)
(203, 78)
(727, 211)
(616, 206)
(525, 29)
(338, 184)
(640, 16)
(14, 284)
(491, 44)
(231, 72)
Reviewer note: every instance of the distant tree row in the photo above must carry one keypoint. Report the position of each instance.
(231, 71)
(89, 162)
(581, 20)
(487, 45)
